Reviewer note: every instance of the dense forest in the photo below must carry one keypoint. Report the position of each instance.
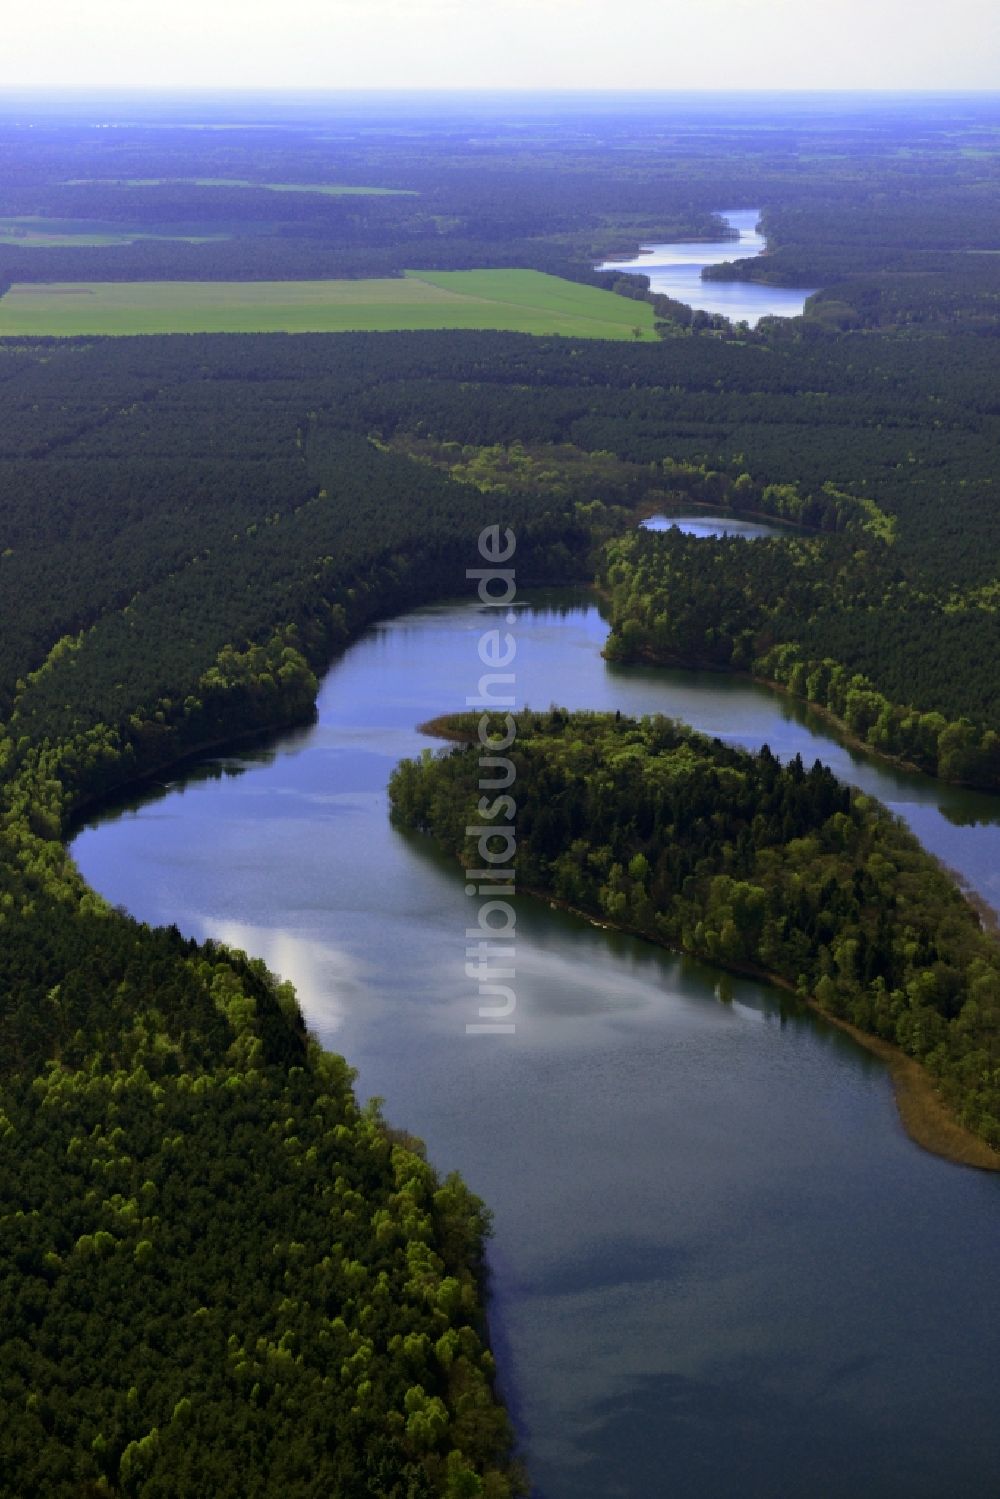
(833, 436)
(805, 621)
(740, 859)
(221, 1275)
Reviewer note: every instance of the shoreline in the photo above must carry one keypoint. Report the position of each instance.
(644, 511)
(118, 796)
(989, 917)
(923, 1113)
(844, 734)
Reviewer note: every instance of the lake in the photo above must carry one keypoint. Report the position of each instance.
(714, 525)
(675, 271)
(720, 1268)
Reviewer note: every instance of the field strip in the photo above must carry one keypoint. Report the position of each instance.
(505, 300)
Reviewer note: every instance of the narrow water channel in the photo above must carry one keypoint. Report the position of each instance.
(720, 1268)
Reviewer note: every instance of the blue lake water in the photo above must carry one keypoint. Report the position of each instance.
(674, 270)
(713, 525)
(720, 1268)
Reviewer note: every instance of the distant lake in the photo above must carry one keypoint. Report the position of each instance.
(675, 271)
(713, 525)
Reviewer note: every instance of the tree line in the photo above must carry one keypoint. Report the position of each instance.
(798, 612)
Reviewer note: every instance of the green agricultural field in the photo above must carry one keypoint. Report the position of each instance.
(510, 301)
(331, 189)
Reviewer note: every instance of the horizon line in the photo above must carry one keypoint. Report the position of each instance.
(355, 90)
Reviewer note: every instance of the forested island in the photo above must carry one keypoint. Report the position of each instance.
(222, 1275)
(774, 868)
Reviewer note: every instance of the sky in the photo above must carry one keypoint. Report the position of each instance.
(531, 44)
